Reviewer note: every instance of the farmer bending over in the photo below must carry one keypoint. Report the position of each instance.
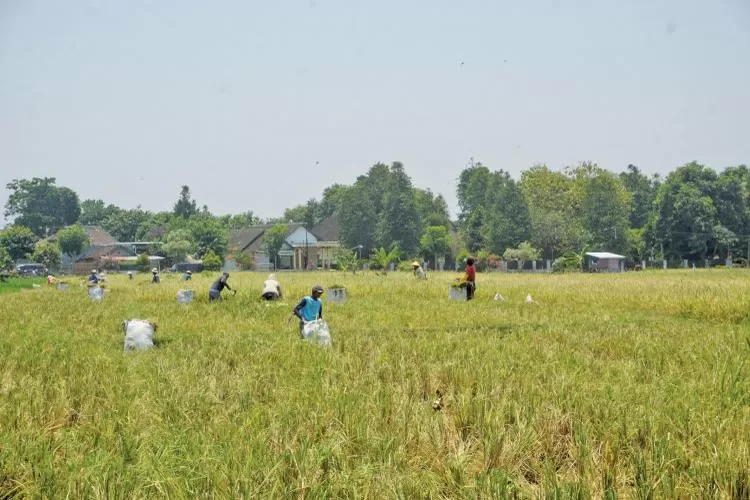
(310, 308)
(418, 271)
(187, 276)
(155, 276)
(220, 284)
(94, 278)
(271, 288)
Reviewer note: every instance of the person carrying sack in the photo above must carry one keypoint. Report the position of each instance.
(310, 308)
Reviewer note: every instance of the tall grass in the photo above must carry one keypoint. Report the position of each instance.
(631, 385)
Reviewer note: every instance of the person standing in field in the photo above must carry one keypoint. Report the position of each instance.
(214, 293)
(187, 275)
(130, 275)
(155, 276)
(470, 278)
(310, 308)
(271, 288)
(94, 278)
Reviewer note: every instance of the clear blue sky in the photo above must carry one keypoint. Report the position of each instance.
(127, 101)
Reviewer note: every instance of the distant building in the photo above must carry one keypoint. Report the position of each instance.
(605, 262)
(315, 247)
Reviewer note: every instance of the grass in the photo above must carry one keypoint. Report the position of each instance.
(18, 284)
(634, 385)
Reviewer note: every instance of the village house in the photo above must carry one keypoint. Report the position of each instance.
(301, 249)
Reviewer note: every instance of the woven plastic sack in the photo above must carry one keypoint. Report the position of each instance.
(457, 293)
(184, 296)
(317, 332)
(139, 334)
(96, 293)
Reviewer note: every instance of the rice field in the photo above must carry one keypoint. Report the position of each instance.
(633, 385)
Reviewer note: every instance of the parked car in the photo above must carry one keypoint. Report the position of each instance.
(31, 270)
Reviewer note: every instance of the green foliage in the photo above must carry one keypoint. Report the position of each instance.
(435, 242)
(642, 190)
(209, 235)
(142, 263)
(47, 253)
(273, 240)
(381, 258)
(240, 221)
(40, 205)
(186, 207)
(6, 261)
(124, 225)
(72, 240)
(346, 260)
(18, 241)
(570, 261)
(178, 244)
(95, 212)
(524, 253)
(636, 244)
(211, 261)
(245, 260)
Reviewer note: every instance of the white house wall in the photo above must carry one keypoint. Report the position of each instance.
(298, 237)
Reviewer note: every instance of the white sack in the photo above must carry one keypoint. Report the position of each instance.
(139, 334)
(317, 332)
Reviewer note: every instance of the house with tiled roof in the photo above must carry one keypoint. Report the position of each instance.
(302, 248)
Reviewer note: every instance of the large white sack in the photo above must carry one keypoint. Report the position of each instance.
(139, 334)
(317, 332)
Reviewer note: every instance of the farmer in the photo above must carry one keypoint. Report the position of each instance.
(130, 275)
(418, 270)
(271, 288)
(94, 278)
(220, 284)
(187, 275)
(51, 279)
(155, 276)
(470, 278)
(310, 308)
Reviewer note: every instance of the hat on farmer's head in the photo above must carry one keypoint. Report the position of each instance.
(317, 288)
(154, 270)
(271, 276)
(189, 271)
(93, 271)
(415, 264)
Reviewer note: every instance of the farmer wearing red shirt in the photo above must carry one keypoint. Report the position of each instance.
(470, 277)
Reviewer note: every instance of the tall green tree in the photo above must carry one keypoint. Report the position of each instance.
(273, 240)
(643, 193)
(94, 212)
(358, 218)
(399, 222)
(40, 205)
(507, 221)
(435, 243)
(18, 241)
(685, 215)
(124, 225)
(606, 209)
(72, 240)
(331, 202)
(473, 184)
(209, 234)
(185, 206)
(553, 201)
(178, 244)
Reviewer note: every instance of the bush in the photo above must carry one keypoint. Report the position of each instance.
(142, 263)
(211, 261)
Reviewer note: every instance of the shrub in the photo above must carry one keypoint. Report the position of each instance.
(211, 261)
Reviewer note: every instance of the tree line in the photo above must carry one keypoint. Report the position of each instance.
(692, 213)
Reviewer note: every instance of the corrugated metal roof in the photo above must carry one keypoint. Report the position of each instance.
(604, 255)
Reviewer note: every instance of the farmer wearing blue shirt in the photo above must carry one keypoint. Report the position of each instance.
(94, 278)
(310, 308)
